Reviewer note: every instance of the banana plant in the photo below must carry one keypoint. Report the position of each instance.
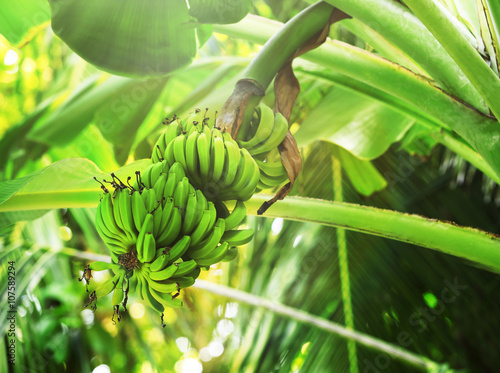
(422, 75)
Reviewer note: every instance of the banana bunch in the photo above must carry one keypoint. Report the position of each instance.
(161, 231)
(213, 161)
(270, 132)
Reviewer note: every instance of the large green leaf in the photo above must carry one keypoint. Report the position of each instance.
(353, 121)
(120, 119)
(67, 183)
(219, 11)
(18, 17)
(376, 76)
(123, 98)
(363, 175)
(399, 26)
(441, 23)
(128, 37)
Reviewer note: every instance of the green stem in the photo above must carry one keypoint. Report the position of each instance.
(366, 340)
(477, 246)
(293, 313)
(481, 131)
(345, 282)
(283, 44)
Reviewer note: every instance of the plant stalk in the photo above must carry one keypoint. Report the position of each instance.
(479, 247)
(290, 312)
(283, 44)
(345, 282)
(366, 340)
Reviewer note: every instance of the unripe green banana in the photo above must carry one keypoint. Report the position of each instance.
(205, 247)
(173, 229)
(264, 129)
(238, 238)
(164, 273)
(170, 255)
(185, 268)
(231, 254)
(237, 216)
(146, 228)
(139, 211)
(215, 256)
(149, 247)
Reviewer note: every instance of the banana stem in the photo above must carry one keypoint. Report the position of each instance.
(268, 62)
(279, 48)
(479, 247)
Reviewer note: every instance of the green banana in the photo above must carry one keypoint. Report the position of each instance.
(173, 229)
(139, 211)
(231, 253)
(216, 256)
(237, 216)
(203, 156)
(272, 169)
(192, 161)
(191, 214)
(181, 194)
(166, 300)
(147, 227)
(118, 293)
(164, 273)
(185, 267)
(238, 237)
(171, 255)
(264, 129)
(149, 247)
(204, 248)
(217, 158)
(177, 169)
(232, 160)
(146, 295)
(280, 130)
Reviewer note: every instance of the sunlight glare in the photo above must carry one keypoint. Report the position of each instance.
(215, 348)
(103, 368)
(277, 226)
(205, 354)
(11, 58)
(182, 344)
(136, 310)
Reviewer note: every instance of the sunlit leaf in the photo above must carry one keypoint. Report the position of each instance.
(67, 183)
(122, 97)
(131, 38)
(353, 121)
(362, 174)
(219, 11)
(18, 18)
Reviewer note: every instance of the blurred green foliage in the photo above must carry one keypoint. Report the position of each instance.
(398, 291)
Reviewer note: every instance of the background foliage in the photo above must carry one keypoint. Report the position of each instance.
(374, 131)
